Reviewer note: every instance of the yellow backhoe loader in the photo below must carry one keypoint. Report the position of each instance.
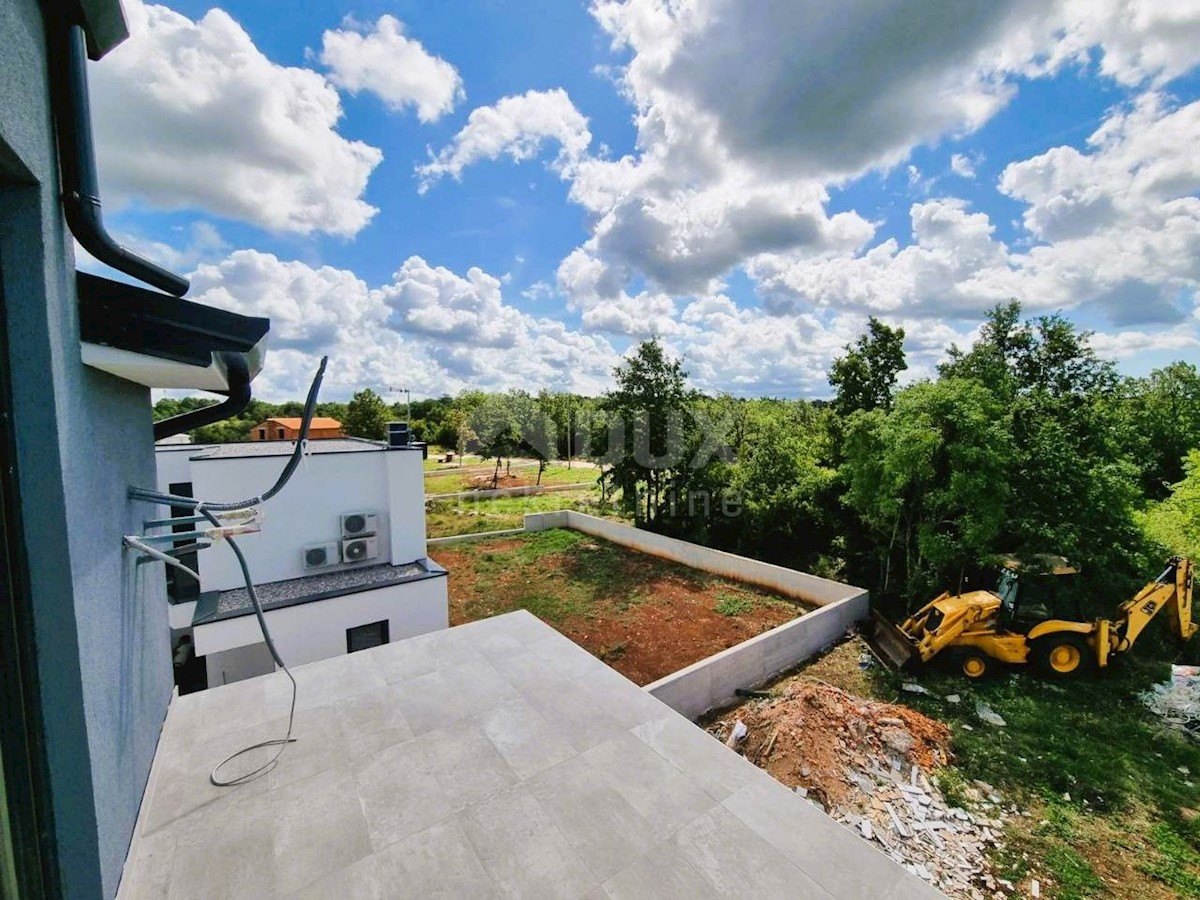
(1026, 620)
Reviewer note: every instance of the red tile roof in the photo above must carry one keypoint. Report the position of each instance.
(294, 423)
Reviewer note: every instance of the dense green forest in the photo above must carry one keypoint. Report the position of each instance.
(1026, 442)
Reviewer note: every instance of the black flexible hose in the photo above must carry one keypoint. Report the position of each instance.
(310, 405)
(206, 510)
(282, 742)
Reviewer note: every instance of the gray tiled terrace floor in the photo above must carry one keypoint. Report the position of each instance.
(496, 759)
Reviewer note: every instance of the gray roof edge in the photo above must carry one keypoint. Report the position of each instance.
(104, 22)
(206, 607)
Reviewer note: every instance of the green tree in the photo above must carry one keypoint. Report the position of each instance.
(1175, 522)
(1045, 355)
(457, 432)
(930, 481)
(991, 360)
(648, 408)
(1074, 487)
(513, 424)
(787, 493)
(366, 416)
(568, 413)
(866, 376)
(168, 407)
(1162, 417)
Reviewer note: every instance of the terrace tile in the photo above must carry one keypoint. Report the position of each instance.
(495, 759)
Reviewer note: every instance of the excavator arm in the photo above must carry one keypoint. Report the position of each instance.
(1172, 589)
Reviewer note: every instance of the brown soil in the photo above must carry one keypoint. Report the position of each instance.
(485, 482)
(644, 616)
(676, 627)
(815, 731)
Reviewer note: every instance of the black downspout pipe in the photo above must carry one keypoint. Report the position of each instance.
(238, 374)
(77, 162)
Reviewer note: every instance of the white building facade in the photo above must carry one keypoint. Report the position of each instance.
(339, 563)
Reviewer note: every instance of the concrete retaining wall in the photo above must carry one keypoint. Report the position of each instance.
(473, 469)
(809, 588)
(477, 536)
(711, 683)
(527, 491)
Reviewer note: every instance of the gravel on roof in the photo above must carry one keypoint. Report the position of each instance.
(286, 448)
(311, 587)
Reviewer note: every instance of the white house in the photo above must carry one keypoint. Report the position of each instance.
(339, 564)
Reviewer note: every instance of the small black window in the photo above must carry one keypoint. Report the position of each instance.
(180, 585)
(364, 637)
(262, 434)
(279, 433)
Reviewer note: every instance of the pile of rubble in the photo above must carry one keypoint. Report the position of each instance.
(867, 764)
(1177, 700)
(489, 481)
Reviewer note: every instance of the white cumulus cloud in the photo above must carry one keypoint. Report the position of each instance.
(428, 328)
(1115, 229)
(963, 166)
(735, 171)
(393, 66)
(190, 114)
(517, 127)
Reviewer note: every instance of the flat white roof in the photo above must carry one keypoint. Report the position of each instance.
(239, 449)
(495, 759)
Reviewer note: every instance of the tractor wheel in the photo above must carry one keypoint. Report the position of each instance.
(970, 663)
(1062, 655)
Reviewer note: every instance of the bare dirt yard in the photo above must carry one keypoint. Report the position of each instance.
(644, 616)
(486, 478)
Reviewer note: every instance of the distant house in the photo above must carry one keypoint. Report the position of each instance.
(284, 428)
(339, 564)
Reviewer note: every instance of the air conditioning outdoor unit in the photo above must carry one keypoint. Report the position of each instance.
(358, 524)
(360, 549)
(317, 556)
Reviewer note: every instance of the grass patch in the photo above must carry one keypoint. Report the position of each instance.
(1075, 878)
(1089, 739)
(1111, 791)
(554, 540)
(613, 652)
(733, 604)
(1175, 863)
(555, 474)
(453, 517)
(554, 607)
(554, 574)
(652, 615)
(1058, 821)
(953, 786)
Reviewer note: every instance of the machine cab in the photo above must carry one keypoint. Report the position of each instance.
(1037, 590)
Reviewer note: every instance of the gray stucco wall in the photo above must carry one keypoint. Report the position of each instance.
(82, 438)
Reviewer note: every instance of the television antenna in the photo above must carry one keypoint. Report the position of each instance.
(407, 399)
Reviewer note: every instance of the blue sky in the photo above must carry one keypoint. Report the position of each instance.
(748, 181)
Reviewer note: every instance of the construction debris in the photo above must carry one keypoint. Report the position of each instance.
(1177, 700)
(737, 734)
(869, 766)
(989, 716)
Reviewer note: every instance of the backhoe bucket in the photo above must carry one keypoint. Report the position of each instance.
(892, 645)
